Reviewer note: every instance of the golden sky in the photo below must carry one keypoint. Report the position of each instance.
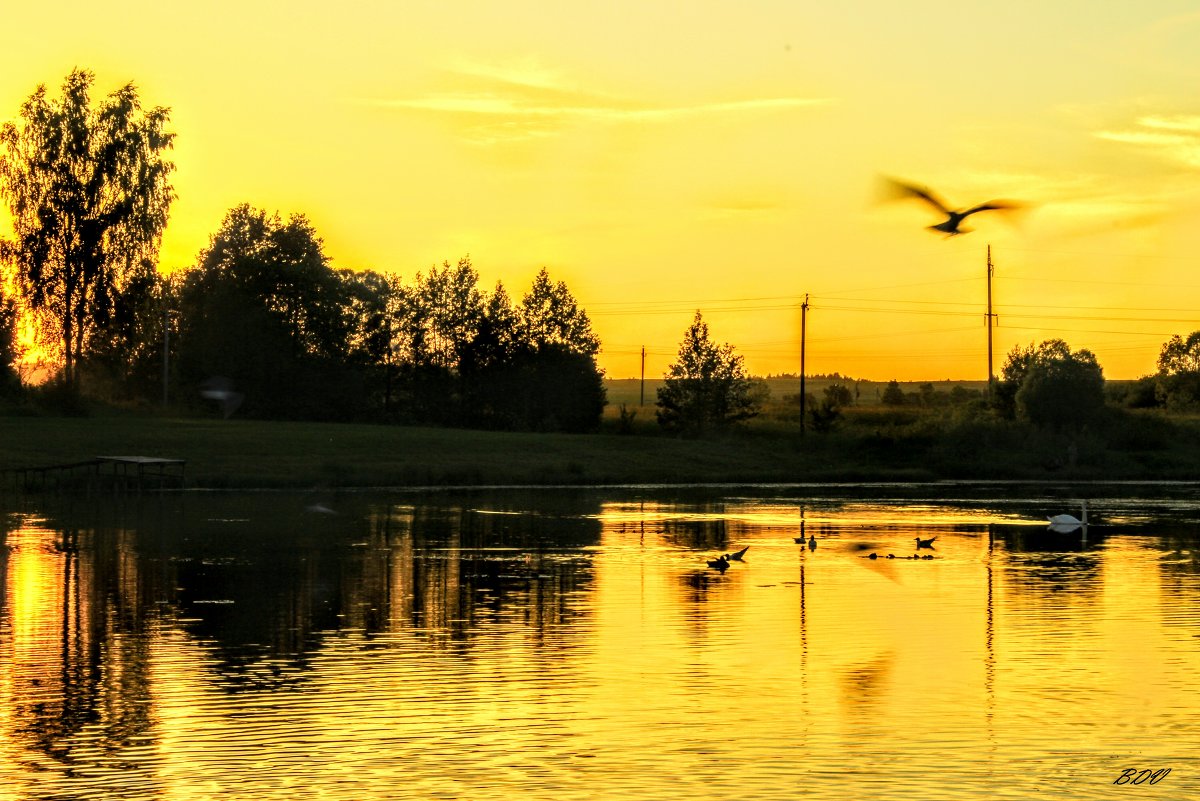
(664, 157)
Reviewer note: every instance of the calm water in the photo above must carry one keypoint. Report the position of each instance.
(567, 644)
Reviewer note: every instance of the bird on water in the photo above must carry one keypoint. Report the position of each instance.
(1069, 522)
(952, 226)
(737, 555)
(925, 543)
(721, 563)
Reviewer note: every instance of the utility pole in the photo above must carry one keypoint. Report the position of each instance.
(989, 319)
(803, 327)
(642, 402)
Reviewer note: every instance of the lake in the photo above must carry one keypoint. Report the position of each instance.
(575, 644)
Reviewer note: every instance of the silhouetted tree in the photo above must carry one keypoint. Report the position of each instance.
(10, 350)
(707, 387)
(892, 394)
(87, 188)
(443, 313)
(371, 344)
(534, 367)
(265, 309)
(1055, 386)
(549, 315)
(824, 416)
(124, 358)
(555, 353)
(838, 395)
(1178, 379)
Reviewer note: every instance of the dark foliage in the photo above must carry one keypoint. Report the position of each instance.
(1054, 386)
(265, 309)
(892, 394)
(707, 388)
(87, 188)
(1178, 379)
(10, 352)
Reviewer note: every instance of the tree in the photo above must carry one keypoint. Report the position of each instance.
(892, 394)
(1178, 379)
(549, 315)
(838, 396)
(124, 358)
(87, 188)
(707, 387)
(265, 309)
(533, 367)
(443, 314)
(1055, 386)
(10, 349)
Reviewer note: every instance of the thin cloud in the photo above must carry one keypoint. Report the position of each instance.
(509, 104)
(1175, 137)
(512, 106)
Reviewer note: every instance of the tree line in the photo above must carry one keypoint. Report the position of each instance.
(264, 325)
(262, 314)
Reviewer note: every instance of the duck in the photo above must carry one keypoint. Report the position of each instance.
(737, 555)
(1069, 522)
(925, 543)
(720, 563)
(812, 543)
(873, 555)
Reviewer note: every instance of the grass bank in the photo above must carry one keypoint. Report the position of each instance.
(241, 453)
(869, 446)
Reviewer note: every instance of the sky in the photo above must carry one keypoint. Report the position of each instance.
(664, 158)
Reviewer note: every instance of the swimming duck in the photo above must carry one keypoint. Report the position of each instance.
(720, 563)
(925, 543)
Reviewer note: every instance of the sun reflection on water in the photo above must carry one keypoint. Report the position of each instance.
(582, 647)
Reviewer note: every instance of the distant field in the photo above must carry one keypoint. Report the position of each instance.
(628, 391)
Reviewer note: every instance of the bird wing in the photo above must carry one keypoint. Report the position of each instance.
(902, 189)
(997, 205)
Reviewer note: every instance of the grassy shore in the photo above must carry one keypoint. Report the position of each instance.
(870, 446)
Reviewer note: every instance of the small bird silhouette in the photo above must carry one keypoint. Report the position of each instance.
(737, 555)
(925, 543)
(720, 563)
(812, 543)
(954, 218)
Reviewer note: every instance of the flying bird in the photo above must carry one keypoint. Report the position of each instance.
(954, 218)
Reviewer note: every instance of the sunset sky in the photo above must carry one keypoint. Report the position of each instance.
(665, 157)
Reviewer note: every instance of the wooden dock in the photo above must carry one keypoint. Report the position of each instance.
(101, 473)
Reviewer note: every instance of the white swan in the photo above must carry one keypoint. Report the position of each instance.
(1068, 522)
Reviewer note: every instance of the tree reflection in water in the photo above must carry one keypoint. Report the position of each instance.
(261, 584)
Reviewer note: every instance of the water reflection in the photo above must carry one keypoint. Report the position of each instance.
(577, 644)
